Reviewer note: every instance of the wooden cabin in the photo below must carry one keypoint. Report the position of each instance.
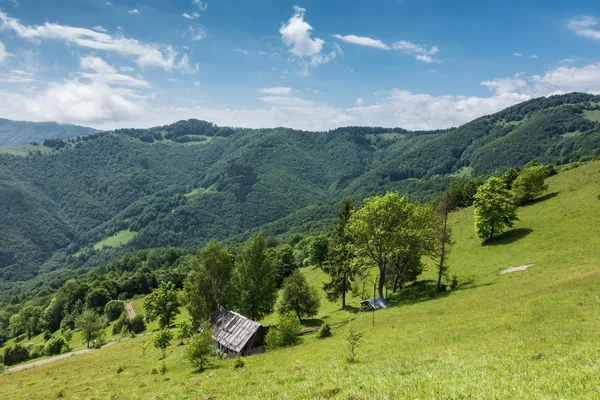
(373, 304)
(236, 334)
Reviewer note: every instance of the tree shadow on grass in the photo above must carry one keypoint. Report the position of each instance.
(540, 199)
(308, 323)
(418, 292)
(508, 237)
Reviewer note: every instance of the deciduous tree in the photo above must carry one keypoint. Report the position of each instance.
(162, 304)
(298, 297)
(495, 209)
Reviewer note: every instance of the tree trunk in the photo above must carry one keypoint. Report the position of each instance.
(344, 293)
(395, 284)
(381, 280)
(442, 253)
(298, 315)
(492, 233)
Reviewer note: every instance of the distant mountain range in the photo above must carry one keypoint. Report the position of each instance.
(19, 133)
(185, 183)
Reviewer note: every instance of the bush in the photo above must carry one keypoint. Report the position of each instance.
(324, 332)
(37, 351)
(2, 368)
(15, 355)
(47, 336)
(353, 339)
(285, 333)
(56, 345)
(113, 309)
(200, 347)
(118, 325)
(238, 362)
(154, 371)
(137, 324)
(119, 370)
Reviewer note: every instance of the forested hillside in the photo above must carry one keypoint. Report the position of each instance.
(183, 184)
(19, 133)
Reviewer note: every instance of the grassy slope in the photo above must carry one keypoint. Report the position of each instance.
(531, 334)
(119, 239)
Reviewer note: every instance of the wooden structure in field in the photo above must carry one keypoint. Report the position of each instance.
(373, 304)
(236, 334)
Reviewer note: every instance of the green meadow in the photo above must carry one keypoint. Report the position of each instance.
(521, 335)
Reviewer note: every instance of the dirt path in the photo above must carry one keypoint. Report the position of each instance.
(130, 310)
(52, 359)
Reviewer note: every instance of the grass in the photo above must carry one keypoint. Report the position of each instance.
(592, 115)
(23, 151)
(119, 239)
(530, 334)
(464, 172)
(571, 134)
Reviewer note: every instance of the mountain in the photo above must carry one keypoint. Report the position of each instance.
(185, 183)
(19, 133)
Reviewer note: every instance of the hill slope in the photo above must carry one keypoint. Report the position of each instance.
(183, 184)
(529, 334)
(19, 133)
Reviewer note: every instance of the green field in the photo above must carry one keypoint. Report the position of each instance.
(592, 115)
(529, 334)
(119, 239)
(23, 151)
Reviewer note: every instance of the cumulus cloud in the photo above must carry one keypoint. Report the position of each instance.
(276, 90)
(296, 34)
(517, 54)
(584, 27)
(362, 41)
(146, 55)
(99, 28)
(134, 11)
(360, 102)
(420, 52)
(241, 51)
(102, 97)
(97, 95)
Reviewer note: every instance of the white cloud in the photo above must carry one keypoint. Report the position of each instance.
(134, 11)
(533, 56)
(201, 5)
(17, 76)
(127, 69)
(583, 27)
(108, 3)
(197, 84)
(146, 55)
(517, 54)
(280, 91)
(297, 36)
(241, 51)
(99, 28)
(567, 61)
(420, 52)
(360, 102)
(363, 41)
(101, 97)
(198, 32)
(190, 16)
(3, 53)
(98, 95)
(286, 101)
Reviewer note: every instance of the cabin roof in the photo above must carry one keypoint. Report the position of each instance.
(233, 330)
(373, 304)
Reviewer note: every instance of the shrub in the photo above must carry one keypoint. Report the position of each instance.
(162, 340)
(15, 355)
(184, 331)
(353, 339)
(238, 362)
(55, 346)
(37, 351)
(67, 333)
(2, 368)
(113, 309)
(118, 325)
(198, 351)
(119, 370)
(47, 336)
(324, 332)
(137, 324)
(285, 333)
(154, 371)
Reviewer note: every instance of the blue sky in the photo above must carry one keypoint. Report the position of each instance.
(308, 65)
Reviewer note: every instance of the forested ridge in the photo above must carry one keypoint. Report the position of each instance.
(184, 184)
(18, 133)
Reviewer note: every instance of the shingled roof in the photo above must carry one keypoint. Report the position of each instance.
(233, 330)
(373, 304)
